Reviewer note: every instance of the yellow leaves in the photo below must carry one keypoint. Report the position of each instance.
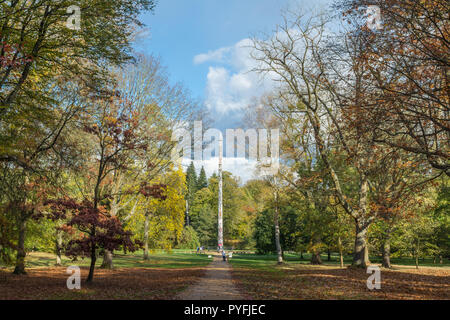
(110, 120)
(166, 217)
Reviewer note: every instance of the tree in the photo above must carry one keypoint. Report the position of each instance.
(24, 193)
(204, 210)
(264, 232)
(98, 229)
(256, 195)
(233, 212)
(274, 184)
(43, 64)
(397, 189)
(188, 238)
(151, 193)
(191, 181)
(203, 217)
(408, 63)
(37, 45)
(204, 223)
(202, 181)
(157, 218)
(327, 86)
(441, 240)
(416, 235)
(113, 131)
(6, 235)
(159, 107)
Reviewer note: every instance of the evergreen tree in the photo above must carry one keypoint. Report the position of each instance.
(191, 182)
(202, 181)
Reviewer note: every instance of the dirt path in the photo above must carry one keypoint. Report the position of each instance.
(215, 285)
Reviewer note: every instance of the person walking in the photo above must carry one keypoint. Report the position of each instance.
(224, 255)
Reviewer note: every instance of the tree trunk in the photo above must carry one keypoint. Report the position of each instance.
(329, 255)
(417, 253)
(58, 247)
(301, 255)
(387, 250)
(20, 258)
(90, 277)
(146, 236)
(107, 260)
(277, 242)
(277, 232)
(341, 256)
(361, 252)
(315, 257)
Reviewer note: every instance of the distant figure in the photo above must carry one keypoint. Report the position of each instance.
(224, 255)
(198, 249)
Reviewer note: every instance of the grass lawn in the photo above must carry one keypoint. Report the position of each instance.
(258, 276)
(160, 277)
(262, 278)
(160, 259)
(263, 261)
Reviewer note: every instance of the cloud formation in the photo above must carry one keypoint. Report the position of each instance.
(231, 84)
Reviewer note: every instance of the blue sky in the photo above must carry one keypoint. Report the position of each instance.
(203, 44)
(180, 30)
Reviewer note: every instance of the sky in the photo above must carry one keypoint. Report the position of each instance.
(205, 45)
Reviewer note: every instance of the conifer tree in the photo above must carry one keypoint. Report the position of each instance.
(202, 181)
(191, 182)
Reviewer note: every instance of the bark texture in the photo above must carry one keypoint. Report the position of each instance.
(20, 257)
(58, 247)
(146, 225)
(386, 249)
(361, 254)
(107, 260)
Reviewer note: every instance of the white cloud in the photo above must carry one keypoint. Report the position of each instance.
(231, 83)
(240, 167)
(231, 86)
(212, 56)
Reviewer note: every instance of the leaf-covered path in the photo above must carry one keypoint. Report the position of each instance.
(217, 284)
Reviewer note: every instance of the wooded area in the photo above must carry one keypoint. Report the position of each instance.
(86, 125)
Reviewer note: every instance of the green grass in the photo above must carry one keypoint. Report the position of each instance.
(160, 259)
(262, 262)
(262, 278)
(188, 258)
(268, 262)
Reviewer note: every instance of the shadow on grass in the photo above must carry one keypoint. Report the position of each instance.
(296, 279)
(268, 260)
(126, 283)
(132, 260)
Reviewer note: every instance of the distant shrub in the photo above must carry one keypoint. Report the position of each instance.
(189, 239)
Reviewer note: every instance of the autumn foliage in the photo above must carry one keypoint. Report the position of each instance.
(92, 227)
